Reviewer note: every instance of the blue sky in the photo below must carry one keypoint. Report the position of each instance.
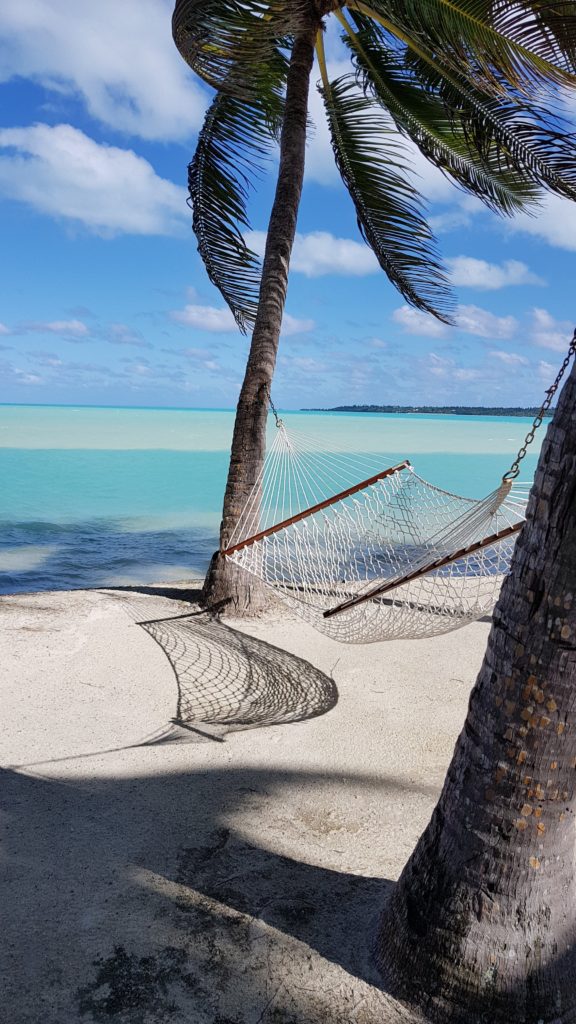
(104, 300)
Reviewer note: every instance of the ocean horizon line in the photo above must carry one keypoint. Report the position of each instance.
(342, 410)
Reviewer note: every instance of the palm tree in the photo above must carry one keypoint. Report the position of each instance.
(482, 923)
(467, 81)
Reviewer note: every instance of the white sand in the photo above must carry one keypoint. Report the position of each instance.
(229, 881)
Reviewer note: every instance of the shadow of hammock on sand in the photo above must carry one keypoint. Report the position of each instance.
(226, 681)
(229, 679)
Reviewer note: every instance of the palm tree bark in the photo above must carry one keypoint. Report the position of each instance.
(225, 585)
(482, 923)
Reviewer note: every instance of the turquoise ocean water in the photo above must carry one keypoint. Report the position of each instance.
(100, 496)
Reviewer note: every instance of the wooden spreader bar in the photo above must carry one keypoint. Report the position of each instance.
(410, 577)
(316, 508)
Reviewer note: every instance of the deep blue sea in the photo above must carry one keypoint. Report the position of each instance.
(100, 496)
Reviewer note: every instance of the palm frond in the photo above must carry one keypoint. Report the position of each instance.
(230, 43)
(371, 160)
(510, 138)
(232, 144)
(494, 46)
(557, 20)
(421, 116)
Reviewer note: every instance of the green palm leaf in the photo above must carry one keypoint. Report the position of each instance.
(496, 46)
(424, 118)
(371, 160)
(229, 43)
(535, 143)
(522, 146)
(234, 141)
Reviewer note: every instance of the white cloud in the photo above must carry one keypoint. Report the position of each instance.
(413, 321)
(438, 366)
(447, 370)
(469, 272)
(61, 172)
(196, 354)
(483, 324)
(450, 220)
(320, 163)
(470, 319)
(547, 371)
(46, 359)
(292, 325)
(219, 319)
(548, 332)
(303, 364)
(205, 318)
(509, 358)
(430, 182)
(118, 57)
(556, 223)
(70, 328)
(319, 253)
(468, 373)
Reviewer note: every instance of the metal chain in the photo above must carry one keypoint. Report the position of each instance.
(266, 389)
(274, 411)
(515, 467)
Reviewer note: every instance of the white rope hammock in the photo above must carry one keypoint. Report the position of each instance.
(389, 558)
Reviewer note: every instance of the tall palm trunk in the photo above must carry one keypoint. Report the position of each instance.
(225, 584)
(482, 923)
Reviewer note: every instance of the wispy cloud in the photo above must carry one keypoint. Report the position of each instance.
(319, 253)
(63, 173)
(509, 358)
(413, 321)
(46, 358)
(483, 324)
(66, 328)
(121, 334)
(70, 330)
(294, 325)
(555, 223)
(219, 320)
(547, 371)
(547, 332)
(470, 319)
(468, 272)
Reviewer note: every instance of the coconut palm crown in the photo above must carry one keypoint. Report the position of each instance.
(476, 85)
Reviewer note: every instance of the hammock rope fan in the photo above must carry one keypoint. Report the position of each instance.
(389, 557)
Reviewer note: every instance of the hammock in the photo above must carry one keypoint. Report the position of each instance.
(391, 557)
(388, 558)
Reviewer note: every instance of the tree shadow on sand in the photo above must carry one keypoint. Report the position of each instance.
(138, 900)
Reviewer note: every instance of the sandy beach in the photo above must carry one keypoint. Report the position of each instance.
(207, 871)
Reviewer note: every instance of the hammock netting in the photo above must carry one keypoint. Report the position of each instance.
(391, 557)
(227, 678)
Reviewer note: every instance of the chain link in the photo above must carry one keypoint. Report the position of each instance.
(537, 422)
(266, 389)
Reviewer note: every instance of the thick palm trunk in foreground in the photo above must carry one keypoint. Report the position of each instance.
(226, 585)
(482, 923)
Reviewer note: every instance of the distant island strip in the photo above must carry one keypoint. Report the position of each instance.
(439, 410)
